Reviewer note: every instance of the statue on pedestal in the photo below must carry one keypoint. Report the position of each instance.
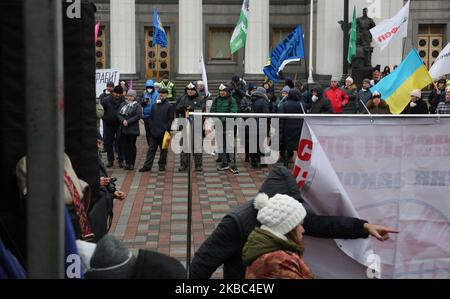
(364, 37)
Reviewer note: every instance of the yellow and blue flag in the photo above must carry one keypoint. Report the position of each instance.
(159, 36)
(395, 88)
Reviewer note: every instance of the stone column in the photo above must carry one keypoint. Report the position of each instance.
(257, 48)
(123, 36)
(190, 36)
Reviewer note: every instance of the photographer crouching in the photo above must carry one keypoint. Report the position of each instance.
(102, 211)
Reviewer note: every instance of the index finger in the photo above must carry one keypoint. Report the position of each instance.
(391, 230)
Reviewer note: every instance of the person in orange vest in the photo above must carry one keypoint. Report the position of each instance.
(336, 96)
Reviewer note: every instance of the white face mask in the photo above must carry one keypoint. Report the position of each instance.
(315, 99)
(149, 90)
(412, 104)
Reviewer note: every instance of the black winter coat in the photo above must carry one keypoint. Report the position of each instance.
(132, 118)
(111, 107)
(224, 246)
(291, 129)
(161, 119)
(421, 108)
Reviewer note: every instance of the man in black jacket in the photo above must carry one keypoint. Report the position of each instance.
(225, 244)
(160, 121)
(111, 123)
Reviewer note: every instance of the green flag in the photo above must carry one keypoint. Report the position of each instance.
(240, 32)
(352, 43)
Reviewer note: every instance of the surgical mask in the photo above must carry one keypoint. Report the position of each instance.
(149, 90)
(315, 99)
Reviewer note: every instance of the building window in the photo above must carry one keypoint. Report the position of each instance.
(279, 34)
(219, 44)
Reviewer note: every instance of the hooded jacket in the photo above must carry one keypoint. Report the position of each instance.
(337, 97)
(322, 105)
(291, 129)
(148, 100)
(224, 246)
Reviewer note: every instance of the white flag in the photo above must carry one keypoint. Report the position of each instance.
(318, 181)
(391, 29)
(441, 65)
(203, 71)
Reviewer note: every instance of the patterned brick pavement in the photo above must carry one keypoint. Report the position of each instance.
(154, 216)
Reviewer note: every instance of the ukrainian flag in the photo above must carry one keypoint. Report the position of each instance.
(395, 89)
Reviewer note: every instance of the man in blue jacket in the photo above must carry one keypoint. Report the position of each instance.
(148, 100)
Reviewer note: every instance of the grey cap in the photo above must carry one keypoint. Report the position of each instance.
(334, 79)
(132, 93)
(261, 90)
(366, 81)
(111, 260)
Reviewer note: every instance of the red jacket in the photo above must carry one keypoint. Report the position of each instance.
(337, 97)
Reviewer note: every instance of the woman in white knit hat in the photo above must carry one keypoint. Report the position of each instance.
(275, 250)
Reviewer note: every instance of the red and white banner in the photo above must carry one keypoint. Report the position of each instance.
(394, 172)
(391, 29)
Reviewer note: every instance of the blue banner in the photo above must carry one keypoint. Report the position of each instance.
(159, 36)
(291, 49)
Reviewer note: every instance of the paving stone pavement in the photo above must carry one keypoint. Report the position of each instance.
(154, 215)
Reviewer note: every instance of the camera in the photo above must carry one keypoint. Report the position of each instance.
(112, 186)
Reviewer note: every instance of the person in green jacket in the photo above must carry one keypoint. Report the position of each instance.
(225, 103)
(167, 84)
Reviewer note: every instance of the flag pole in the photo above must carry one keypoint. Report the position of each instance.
(157, 67)
(311, 24)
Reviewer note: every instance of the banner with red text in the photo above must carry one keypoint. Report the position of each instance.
(394, 172)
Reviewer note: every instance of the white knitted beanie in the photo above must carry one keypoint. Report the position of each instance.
(279, 214)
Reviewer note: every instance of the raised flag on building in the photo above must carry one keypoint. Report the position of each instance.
(159, 35)
(352, 42)
(395, 88)
(239, 37)
(441, 66)
(291, 49)
(391, 29)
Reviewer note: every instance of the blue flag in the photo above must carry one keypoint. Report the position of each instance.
(159, 35)
(291, 49)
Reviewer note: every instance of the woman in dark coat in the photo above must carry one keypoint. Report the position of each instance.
(377, 106)
(291, 129)
(129, 114)
(416, 105)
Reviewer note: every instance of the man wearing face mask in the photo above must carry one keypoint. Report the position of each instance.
(416, 105)
(190, 102)
(319, 105)
(147, 102)
(160, 121)
(363, 96)
(111, 123)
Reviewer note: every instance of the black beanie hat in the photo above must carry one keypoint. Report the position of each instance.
(118, 89)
